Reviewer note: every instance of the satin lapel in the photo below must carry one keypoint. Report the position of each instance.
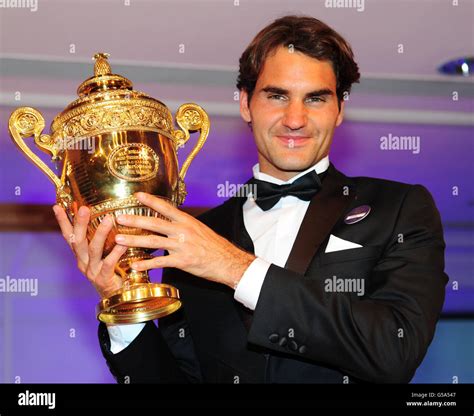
(239, 234)
(323, 212)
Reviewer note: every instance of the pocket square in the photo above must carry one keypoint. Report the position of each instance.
(338, 244)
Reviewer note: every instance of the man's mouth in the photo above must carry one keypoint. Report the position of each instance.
(293, 141)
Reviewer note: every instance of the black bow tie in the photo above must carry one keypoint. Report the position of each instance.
(268, 194)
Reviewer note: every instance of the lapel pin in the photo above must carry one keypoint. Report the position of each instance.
(357, 214)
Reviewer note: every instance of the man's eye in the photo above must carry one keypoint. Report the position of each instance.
(276, 97)
(316, 100)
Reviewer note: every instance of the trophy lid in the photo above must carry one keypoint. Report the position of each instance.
(103, 78)
(108, 103)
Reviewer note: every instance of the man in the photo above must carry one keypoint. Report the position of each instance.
(318, 278)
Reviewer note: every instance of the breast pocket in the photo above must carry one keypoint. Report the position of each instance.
(352, 254)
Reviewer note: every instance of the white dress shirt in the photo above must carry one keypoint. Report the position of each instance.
(273, 233)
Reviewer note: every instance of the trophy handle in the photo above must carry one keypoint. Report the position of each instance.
(190, 117)
(26, 122)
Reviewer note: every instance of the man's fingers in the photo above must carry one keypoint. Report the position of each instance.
(147, 241)
(107, 280)
(109, 263)
(64, 223)
(162, 206)
(81, 221)
(157, 263)
(96, 246)
(79, 234)
(67, 230)
(157, 225)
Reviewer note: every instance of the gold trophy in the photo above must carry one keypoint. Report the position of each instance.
(114, 141)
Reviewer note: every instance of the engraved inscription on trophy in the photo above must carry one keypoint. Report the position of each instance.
(133, 162)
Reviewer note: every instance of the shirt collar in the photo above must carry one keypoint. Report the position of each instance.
(319, 167)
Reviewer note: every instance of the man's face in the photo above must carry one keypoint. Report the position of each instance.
(294, 111)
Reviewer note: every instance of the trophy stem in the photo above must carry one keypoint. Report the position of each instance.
(129, 275)
(138, 300)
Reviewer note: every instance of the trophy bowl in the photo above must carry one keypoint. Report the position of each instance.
(111, 142)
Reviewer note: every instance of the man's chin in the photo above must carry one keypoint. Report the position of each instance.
(294, 165)
(295, 159)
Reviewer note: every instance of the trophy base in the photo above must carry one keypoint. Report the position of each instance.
(140, 302)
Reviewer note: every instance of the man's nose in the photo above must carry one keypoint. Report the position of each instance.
(295, 116)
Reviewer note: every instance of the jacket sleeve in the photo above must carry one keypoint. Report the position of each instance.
(380, 337)
(157, 355)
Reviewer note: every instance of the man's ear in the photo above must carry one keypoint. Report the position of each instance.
(340, 116)
(244, 106)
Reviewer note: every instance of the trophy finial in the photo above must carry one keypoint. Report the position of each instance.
(103, 78)
(102, 66)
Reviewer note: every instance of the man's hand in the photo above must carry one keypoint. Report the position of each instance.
(193, 247)
(100, 272)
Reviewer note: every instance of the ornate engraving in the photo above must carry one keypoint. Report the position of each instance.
(140, 115)
(192, 118)
(133, 162)
(91, 121)
(116, 118)
(95, 119)
(113, 204)
(105, 207)
(26, 123)
(182, 193)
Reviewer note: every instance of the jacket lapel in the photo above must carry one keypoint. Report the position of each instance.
(236, 231)
(324, 210)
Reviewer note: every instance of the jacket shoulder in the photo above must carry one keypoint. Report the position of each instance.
(389, 188)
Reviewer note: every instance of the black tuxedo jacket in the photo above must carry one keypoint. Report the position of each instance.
(300, 332)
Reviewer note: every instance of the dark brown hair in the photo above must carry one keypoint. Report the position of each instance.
(304, 34)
